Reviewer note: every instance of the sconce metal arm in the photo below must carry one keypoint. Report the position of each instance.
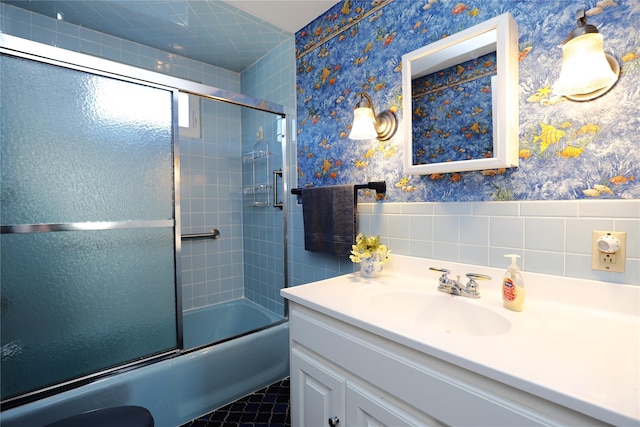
(386, 123)
(582, 27)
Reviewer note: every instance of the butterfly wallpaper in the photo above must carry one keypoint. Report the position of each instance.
(567, 149)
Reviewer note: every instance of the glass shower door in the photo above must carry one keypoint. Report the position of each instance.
(262, 214)
(230, 285)
(88, 227)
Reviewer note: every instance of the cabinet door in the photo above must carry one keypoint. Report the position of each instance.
(317, 392)
(365, 408)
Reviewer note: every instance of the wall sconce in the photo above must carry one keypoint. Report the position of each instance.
(368, 125)
(587, 72)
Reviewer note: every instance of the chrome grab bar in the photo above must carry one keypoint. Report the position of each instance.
(214, 234)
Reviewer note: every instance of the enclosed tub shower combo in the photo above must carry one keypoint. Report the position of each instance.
(133, 245)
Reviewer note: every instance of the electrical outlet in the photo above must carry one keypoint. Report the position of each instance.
(608, 260)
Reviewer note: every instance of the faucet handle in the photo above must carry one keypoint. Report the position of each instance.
(472, 287)
(473, 276)
(444, 280)
(444, 283)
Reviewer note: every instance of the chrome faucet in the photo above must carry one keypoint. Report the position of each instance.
(444, 283)
(454, 287)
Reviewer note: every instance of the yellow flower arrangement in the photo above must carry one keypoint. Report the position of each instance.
(368, 246)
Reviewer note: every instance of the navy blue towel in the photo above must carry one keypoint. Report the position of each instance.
(329, 215)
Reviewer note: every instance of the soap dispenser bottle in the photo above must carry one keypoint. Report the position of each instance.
(513, 286)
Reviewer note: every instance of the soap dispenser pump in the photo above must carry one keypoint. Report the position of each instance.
(513, 286)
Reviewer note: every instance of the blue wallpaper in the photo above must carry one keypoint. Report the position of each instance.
(568, 150)
(456, 124)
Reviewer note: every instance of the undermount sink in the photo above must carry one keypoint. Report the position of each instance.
(438, 311)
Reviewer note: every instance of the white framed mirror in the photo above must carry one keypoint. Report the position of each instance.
(460, 101)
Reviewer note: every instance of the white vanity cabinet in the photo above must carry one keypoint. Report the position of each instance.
(322, 394)
(344, 375)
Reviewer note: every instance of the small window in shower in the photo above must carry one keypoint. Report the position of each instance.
(189, 115)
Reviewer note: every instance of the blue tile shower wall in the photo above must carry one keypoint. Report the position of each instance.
(262, 225)
(271, 79)
(211, 198)
(211, 166)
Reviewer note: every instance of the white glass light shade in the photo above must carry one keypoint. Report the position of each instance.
(363, 124)
(585, 68)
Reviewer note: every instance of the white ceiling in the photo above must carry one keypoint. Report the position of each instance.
(289, 15)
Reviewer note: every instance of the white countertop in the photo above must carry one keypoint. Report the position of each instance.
(576, 343)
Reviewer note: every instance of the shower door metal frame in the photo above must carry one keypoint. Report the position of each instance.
(18, 47)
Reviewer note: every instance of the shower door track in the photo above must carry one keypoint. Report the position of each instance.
(17, 46)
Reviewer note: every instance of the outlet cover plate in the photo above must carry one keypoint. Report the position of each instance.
(609, 262)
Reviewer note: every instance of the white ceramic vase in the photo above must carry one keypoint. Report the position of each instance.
(371, 267)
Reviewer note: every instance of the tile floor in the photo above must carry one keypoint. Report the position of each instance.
(266, 407)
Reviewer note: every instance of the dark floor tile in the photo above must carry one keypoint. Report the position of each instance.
(198, 423)
(252, 407)
(268, 407)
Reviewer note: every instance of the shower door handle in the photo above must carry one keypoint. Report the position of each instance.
(276, 173)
